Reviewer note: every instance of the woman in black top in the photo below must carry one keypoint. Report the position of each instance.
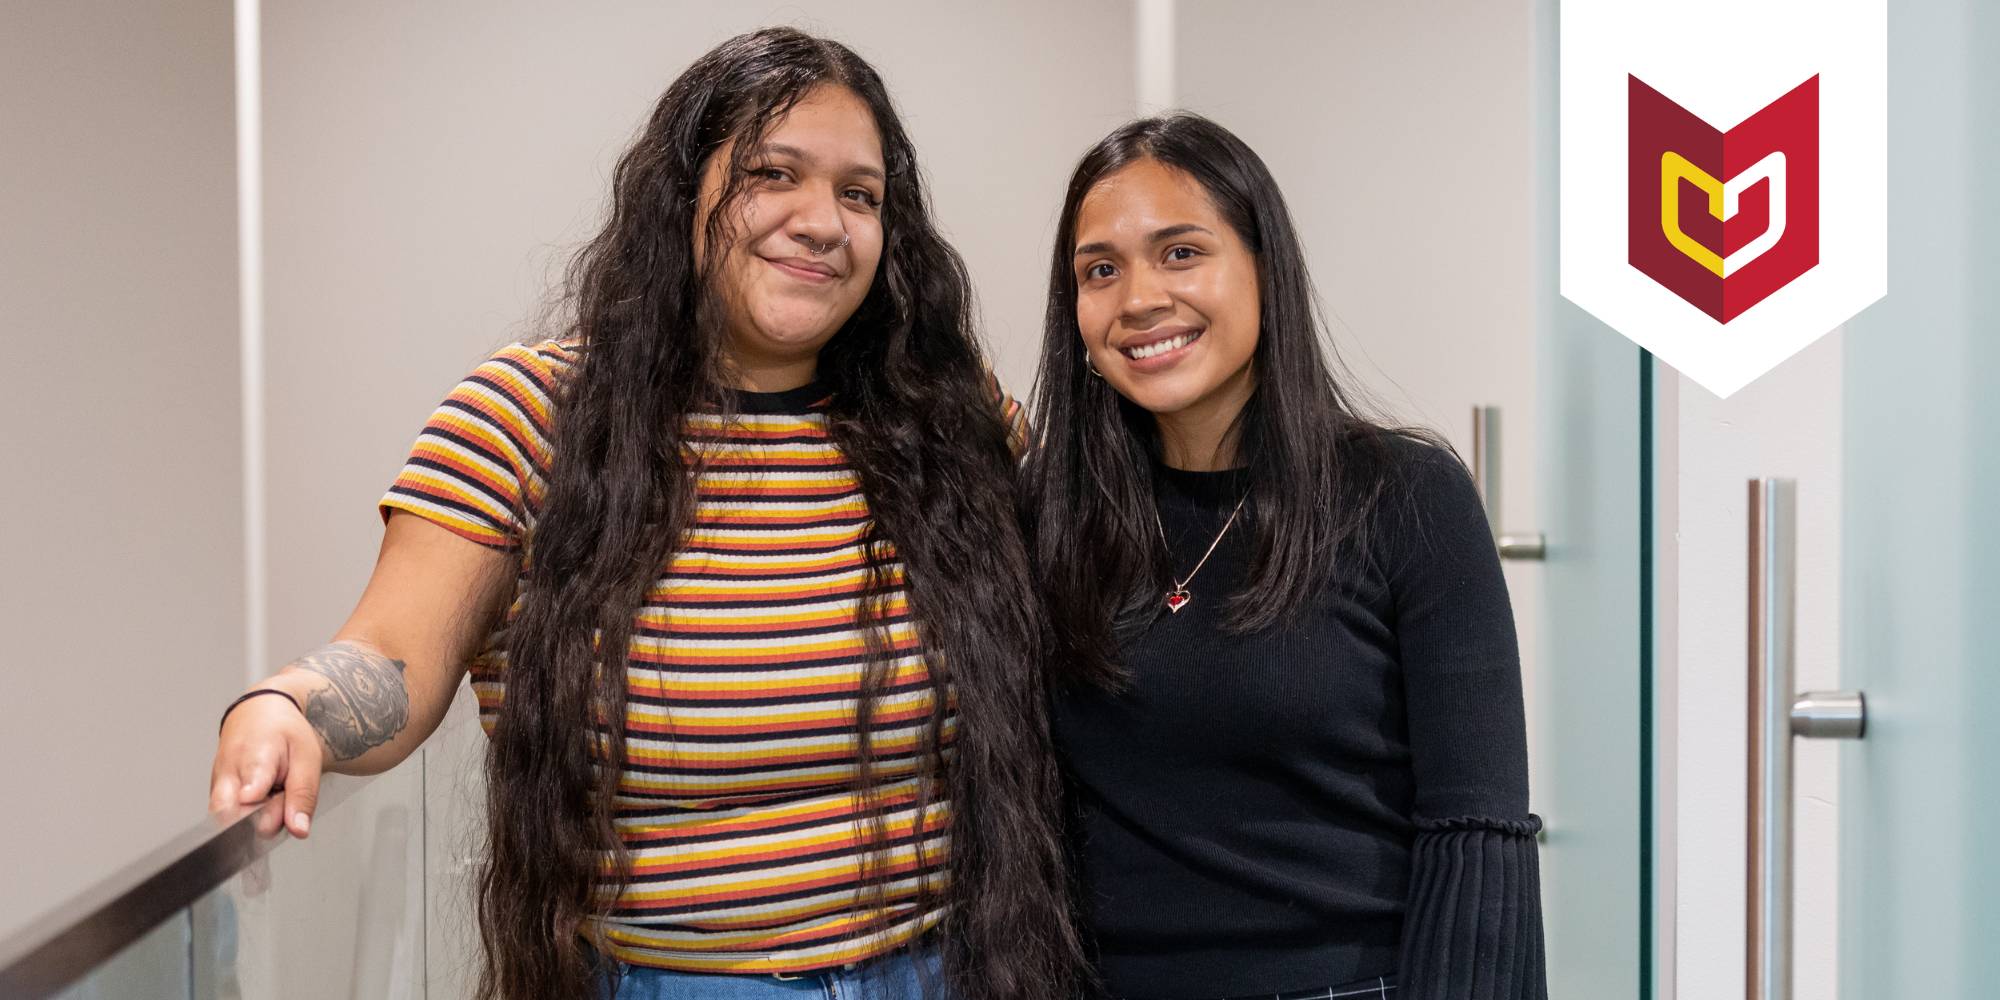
(1292, 723)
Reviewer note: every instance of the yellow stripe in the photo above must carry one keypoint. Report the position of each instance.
(820, 958)
(934, 848)
(819, 837)
(747, 617)
(885, 743)
(448, 518)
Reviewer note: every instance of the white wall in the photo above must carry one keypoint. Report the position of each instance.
(121, 590)
(1788, 423)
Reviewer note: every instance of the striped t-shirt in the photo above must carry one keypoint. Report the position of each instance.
(736, 802)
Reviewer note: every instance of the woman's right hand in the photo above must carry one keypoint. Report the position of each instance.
(267, 744)
(381, 686)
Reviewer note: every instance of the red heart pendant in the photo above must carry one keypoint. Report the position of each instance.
(1176, 600)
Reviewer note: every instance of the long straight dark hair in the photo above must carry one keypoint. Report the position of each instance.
(1317, 464)
(912, 408)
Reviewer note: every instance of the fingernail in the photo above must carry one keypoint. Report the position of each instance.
(302, 821)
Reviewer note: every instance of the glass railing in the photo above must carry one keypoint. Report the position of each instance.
(232, 908)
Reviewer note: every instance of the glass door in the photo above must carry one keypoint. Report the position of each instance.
(1920, 804)
(1592, 738)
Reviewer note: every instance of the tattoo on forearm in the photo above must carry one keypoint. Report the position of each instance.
(366, 704)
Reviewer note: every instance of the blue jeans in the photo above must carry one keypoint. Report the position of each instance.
(899, 975)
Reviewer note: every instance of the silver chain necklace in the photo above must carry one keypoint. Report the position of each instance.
(1179, 597)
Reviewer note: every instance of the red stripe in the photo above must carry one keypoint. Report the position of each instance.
(841, 878)
(447, 455)
(837, 810)
(765, 726)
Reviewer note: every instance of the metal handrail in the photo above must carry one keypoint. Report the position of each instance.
(92, 927)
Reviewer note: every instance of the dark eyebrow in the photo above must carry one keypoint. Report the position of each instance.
(780, 149)
(1158, 234)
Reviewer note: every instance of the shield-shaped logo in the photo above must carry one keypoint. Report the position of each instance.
(1724, 193)
(1724, 219)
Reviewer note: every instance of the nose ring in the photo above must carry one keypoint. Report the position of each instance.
(821, 249)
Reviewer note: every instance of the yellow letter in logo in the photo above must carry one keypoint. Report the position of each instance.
(1722, 203)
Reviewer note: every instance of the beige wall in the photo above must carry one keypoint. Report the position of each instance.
(428, 169)
(121, 593)
(1402, 135)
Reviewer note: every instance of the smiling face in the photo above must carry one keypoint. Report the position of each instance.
(1167, 298)
(803, 242)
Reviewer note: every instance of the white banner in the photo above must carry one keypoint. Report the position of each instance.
(1724, 174)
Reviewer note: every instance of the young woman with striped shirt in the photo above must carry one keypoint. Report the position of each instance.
(768, 467)
(1292, 721)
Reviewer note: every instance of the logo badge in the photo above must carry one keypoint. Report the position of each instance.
(1723, 219)
(1723, 175)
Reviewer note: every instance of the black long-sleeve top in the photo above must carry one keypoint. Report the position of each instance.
(1341, 797)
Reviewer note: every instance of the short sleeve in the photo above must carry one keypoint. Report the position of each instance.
(1012, 413)
(476, 467)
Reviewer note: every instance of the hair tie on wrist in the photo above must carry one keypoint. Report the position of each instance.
(247, 695)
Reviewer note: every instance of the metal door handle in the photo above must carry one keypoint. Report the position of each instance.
(1777, 714)
(1486, 477)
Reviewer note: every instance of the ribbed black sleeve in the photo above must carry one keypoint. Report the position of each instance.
(1473, 930)
(1472, 926)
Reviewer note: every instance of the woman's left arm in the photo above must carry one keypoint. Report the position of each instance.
(1473, 929)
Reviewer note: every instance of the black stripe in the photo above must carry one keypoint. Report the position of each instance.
(509, 400)
(846, 728)
(843, 521)
(715, 493)
(657, 803)
(747, 603)
(663, 771)
(793, 632)
(772, 551)
(476, 447)
(472, 513)
(832, 464)
(647, 668)
(658, 914)
(793, 574)
(460, 480)
(540, 380)
(796, 701)
(807, 437)
(678, 838)
(758, 866)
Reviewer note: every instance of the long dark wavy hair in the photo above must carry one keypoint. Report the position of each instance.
(1318, 462)
(912, 408)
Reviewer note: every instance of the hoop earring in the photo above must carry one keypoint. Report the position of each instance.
(1091, 363)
